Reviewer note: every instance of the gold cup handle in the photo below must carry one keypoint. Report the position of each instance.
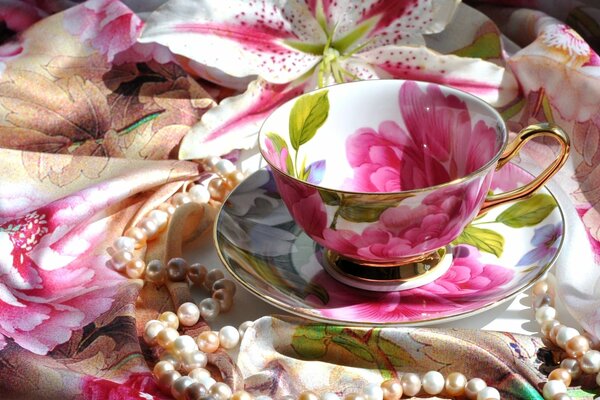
(531, 132)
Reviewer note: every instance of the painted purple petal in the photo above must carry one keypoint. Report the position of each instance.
(316, 171)
(252, 37)
(534, 256)
(544, 234)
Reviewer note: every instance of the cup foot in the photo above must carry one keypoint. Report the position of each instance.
(389, 277)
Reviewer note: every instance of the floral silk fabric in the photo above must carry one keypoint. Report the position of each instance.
(98, 103)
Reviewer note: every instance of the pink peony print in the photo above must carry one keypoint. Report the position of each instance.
(468, 285)
(137, 386)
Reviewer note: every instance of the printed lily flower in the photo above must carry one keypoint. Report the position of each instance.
(295, 46)
(545, 240)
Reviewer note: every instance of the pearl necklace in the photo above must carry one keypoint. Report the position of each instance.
(181, 353)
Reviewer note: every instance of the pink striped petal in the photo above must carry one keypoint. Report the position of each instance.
(233, 124)
(240, 37)
(491, 82)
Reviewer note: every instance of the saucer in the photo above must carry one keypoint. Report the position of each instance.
(500, 254)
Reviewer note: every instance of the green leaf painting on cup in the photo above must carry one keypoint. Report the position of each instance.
(483, 239)
(528, 212)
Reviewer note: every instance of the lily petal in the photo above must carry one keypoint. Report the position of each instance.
(484, 79)
(272, 39)
(233, 124)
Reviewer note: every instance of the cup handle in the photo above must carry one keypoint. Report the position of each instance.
(526, 134)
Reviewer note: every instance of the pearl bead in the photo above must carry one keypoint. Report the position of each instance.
(560, 374)
(193, 359)
(207, 381)
(552, 388)
(224, 167)
(392, 389)
(235, 178)
(167, 207)
(124, 243)
(225, 284)
(171, 358)
(135, 268)
(169, 319)
(542, 300)
(554, 332)
(572, 366)
(196, 273)
(199, 194)
(229, 337)
(138, 235)
(590, 362)
(151, 330)
(242, 395)
(188, 314)
(473, 387)
(155, 271)
(198, 373)
(209, 309)
(160, 217)
(217, 189)
(354, 396)
(177, 269)
(166, 337)
(328, 396)
(244, 327)
(120, 259)
(577, 346)
(262, 397)
(455, 384)
(208, 341)
(545, 313)
(150, 228)
(212, 276)
(540, 288)
(222, 391)
(433, 382)
(372, 391)
(179, 386)
(547, 326)
(224, 298)
(210, 163)
(183, 344)
(411, 384)
(196, 391)
(564, 335)
(308, 395)
(166, 380)
(161, 367)
(180, 199)
(561, 396)
(488, 393)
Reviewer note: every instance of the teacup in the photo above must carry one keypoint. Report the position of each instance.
(386, 172)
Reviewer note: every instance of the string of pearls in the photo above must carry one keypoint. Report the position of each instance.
(127, 251)
(580, 357)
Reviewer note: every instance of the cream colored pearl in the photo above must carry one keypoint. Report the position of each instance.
(572, 366)
(229, 337)
(242, 395)
(167, 379)
(208, 341)
(207, 381)
(263, 397)
(433, 382)
(224, 167)
(135, 268)
(577, 346)
(235, 178)
(167, 207)
(198, 373)
(209, 309)
(151, 330)
(540, 288)
(222, 391)
(560, 374)
(155, 272)
(180, 199)
(545, 313)
(193, 360)
(488, 393)
(244, 327)
(120, 259)
(561, 396)
(373, 391)
(455, 384)
(411, 384)
(166, 337)
(210, 163)
(564, 335)
(552, 388)
(329, 396)
(554, 331)
(308, 395)
(169, 319)
(124, 243)
(171, 358)
(138, 235)
(392, 389)
(160, 217)
(188, 314)
(150, 228)
(590, 362)
(183, 344)
(354, 396)
(196, 391)
(179, 386)
(473, 387)
(199, 194)
(161, 367)
(217, 189)
(546, 326)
